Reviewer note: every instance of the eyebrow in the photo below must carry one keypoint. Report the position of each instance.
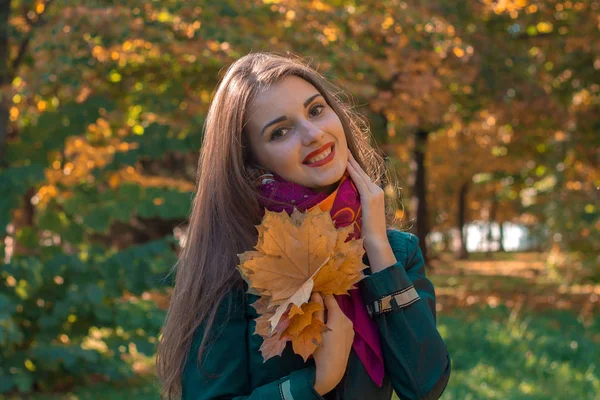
(283, 118)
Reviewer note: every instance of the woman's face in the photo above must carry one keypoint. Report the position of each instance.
(289, 121)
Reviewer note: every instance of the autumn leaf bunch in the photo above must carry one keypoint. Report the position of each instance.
(297, 255)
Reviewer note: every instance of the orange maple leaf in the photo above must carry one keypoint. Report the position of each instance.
(296, 255)
(301, 321)
(307, 341)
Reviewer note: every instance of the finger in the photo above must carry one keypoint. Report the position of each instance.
(333, 308)
(358, 180)
(358, 168)
(320, 315)
(361, 172)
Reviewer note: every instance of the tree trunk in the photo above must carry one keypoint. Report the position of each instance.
(24, 218)
(462, 200)
(491, 220)
(446, 240)
(5, 80)
(3, 128)
(8, 70)
(420, 190)
(4, 100)
(501, 239)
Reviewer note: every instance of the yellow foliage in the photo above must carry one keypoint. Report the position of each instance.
(82, 158)
(14, 113)
(331, 33)
(115, 76)
(129, 174)
(387, 23)
(544, 27)
(29, 365)
(318, 5)
(213, 46)
(458, 52)
(532, 9)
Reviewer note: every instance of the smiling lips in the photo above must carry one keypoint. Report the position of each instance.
(322, 154)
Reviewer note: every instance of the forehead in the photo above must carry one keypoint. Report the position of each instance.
(285, 95)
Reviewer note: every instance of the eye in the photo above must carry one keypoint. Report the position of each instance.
(317, 110)
(279, 131)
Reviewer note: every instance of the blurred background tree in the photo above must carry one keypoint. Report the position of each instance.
(488, 112)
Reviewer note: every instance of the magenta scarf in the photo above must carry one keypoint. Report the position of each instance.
(277, 194)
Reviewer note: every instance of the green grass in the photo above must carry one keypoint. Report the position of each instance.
(495, 355)
(534, 356)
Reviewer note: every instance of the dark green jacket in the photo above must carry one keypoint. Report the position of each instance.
(401, 300)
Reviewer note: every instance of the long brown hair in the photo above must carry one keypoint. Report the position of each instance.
(225, 209)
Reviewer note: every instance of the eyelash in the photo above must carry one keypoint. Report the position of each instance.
(273, 137)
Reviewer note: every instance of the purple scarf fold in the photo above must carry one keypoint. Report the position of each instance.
(344, 206)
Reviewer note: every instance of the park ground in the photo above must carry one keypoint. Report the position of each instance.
(513, 333)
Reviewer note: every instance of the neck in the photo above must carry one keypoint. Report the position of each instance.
(327, 189)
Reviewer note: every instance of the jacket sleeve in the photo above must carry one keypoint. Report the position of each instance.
(401, 300)
(227, 356)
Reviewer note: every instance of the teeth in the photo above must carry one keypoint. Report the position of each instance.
(320, 156)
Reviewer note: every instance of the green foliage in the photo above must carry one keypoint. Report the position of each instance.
(74, 299)
(51, 129)
(154, 143)
(73, 314)
(14, 182)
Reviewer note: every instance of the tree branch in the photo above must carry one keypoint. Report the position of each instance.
(25, 43)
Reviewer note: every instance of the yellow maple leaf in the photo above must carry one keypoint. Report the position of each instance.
(296, 255)
(295, 310)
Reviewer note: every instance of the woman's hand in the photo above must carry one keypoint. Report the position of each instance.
(372, 201)
(331, 357)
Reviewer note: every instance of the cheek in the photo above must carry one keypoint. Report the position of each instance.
(334, 124)
(284, 155)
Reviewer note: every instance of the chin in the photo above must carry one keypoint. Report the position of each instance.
(329, 180)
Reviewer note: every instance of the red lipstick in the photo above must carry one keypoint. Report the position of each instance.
(317, 152)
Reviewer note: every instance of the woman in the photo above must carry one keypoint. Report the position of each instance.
(277, 137)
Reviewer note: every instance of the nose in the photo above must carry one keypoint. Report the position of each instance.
(311, 133)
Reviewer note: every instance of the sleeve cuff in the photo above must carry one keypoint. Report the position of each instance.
(299, 385)
(387, 290)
